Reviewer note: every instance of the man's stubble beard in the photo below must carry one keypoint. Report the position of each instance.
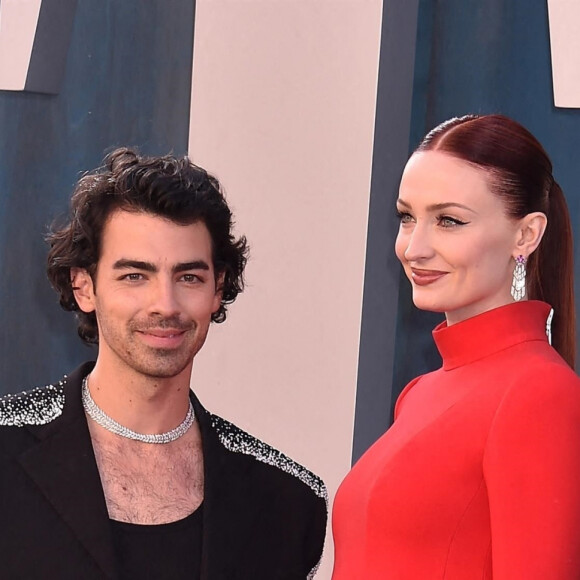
(158, 363)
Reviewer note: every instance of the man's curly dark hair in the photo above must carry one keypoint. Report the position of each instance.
(168, 186)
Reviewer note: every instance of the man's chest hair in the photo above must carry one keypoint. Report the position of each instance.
(150, 484)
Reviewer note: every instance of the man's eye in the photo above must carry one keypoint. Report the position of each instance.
(133, 277)
(190, 278)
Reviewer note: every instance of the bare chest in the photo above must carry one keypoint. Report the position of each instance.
(150, 484)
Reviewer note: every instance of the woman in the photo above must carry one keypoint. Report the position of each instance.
(479, 476)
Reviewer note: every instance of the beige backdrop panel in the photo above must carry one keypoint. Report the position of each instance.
(283, 109)
(565, 47)
(18, 20)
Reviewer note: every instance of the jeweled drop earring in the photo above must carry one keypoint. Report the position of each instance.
(549, 326)
(519, 281)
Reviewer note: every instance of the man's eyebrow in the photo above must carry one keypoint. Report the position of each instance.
(195, 265)
(437, 206)
(125, 264)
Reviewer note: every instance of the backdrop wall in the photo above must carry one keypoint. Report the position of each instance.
(307, 111)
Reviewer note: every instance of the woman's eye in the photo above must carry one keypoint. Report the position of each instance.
(404, 217)
(449, 222)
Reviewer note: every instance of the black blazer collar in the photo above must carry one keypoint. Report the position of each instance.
(227, 489)
(63, 466)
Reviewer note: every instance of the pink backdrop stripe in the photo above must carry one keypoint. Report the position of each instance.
(283, 112)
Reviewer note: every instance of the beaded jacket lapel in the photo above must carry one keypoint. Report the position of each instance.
(226, 489)
(63, 466)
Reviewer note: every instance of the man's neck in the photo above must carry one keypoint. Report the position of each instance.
(142, 403)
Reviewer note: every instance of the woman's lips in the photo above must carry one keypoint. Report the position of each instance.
(426, 277)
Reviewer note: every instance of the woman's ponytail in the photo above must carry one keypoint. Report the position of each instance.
(551, 274)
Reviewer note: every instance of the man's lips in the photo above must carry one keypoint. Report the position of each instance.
(163, 332)
(162, 337)
(423, 277)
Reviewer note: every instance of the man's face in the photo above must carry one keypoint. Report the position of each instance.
(154, 293)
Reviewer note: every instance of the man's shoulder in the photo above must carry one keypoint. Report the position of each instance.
(36, 406)
(236, 440)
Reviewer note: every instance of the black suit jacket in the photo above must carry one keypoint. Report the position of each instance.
(264, 515)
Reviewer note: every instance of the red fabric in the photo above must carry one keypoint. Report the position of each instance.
(479, 476)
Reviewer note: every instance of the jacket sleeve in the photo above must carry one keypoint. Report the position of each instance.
(317, 535)
(532, 472)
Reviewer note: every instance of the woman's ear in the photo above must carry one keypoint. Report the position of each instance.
(530, 232)
(83, 289)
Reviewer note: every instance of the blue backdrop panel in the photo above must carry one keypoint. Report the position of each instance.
(51, 43)
(127, 81)
(381, 284)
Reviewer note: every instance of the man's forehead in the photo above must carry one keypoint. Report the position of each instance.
(128, 215)
(147, 237)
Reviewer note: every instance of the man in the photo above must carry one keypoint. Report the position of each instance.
(118, 471)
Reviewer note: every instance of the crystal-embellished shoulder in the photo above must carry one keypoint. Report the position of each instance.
(38, 406)
(235, 439)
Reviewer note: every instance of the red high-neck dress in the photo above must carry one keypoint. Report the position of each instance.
(479, 476)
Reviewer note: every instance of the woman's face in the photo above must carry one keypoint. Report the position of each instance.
(455, 241)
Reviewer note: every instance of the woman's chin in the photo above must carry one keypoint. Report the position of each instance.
(422, 303)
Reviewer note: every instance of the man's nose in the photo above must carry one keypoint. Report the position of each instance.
(164, 298)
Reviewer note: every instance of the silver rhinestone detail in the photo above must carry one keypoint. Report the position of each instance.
(100, 417)
(38, 406)
(312, 572)
(238, 441)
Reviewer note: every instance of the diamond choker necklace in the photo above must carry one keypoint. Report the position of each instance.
(100, 417)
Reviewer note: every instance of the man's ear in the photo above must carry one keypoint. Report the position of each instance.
(83, 289)
(530, 232)
(219, 290)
